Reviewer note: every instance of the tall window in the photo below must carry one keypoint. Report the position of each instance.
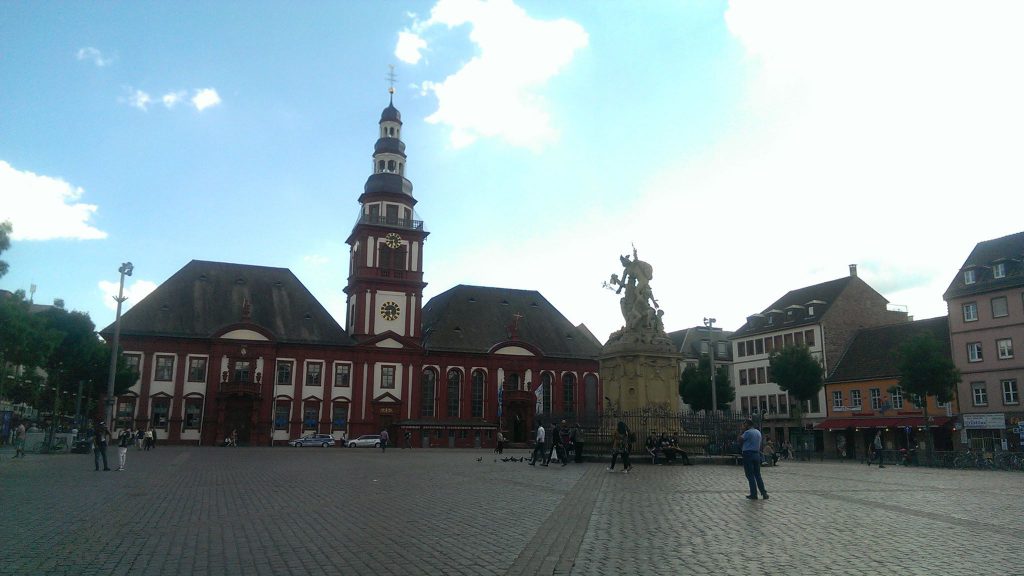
(999, 270)
(193, 412)
(809, 337)
(837, 399)
(428, 392)
(339, 417)
(281, 410)
(546, 380)
(342, 374)
(999, 308)
(897, 398)
(164, 368)
(454, 388)
(196, 369)
(477, 404)
(974, 352)
(243, 371)
(569, 393)
(161, 408)
(133, 362)
(387, 377)
(1010, 393)
(970, 311)
(979, 394)
(855, 400)
(284, 373)
(392, 258)
(783, 404)
(876, 398)
(1005, 346)
(969, 276)
(310, 415)
(125, 411)
(313, 373)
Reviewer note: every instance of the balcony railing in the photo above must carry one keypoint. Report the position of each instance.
(391, 222)
(245, 388)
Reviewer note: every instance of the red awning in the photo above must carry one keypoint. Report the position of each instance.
(880, 422)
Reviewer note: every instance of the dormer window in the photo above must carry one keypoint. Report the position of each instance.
(810, 310)
(969, 276)
(999, 270)
(771, 319)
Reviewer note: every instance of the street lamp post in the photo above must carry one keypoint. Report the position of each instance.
(125, 270)
(709, 324)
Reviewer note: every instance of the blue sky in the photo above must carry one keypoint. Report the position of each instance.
(746, 148)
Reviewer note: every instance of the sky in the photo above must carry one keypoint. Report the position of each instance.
(745, 148)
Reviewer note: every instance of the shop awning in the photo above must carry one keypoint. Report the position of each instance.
(880, 422)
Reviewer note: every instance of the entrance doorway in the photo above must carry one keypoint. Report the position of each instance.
(238, 414)
(517, 417)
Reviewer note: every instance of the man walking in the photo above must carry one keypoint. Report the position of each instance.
(538, 446)
(384, 438)
(124, 440)
(99, 446)
(19, 440)
(877, 446)
(751, 447)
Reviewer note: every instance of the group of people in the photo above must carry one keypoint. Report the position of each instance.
(563, 440)
(142, 439)
(668, 448)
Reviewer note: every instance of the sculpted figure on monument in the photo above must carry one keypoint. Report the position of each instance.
(640, 310)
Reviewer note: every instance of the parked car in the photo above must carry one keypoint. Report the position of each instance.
(324, 440)
(365, 440)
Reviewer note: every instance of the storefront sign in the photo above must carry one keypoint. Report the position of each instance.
(985, 421)
(387, 410)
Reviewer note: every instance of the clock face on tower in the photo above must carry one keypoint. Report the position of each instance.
(390, 311)
(393, 240)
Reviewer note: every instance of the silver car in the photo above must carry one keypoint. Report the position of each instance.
(366, 440)
(324, 440)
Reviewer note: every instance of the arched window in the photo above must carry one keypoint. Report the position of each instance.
(568, 393)
(428, 392)
(590, 395)
(380, 166)
(546, 380)
(477, 407)
(454, 391)
(391, 165)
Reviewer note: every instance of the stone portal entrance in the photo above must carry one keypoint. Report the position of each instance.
(239, 414)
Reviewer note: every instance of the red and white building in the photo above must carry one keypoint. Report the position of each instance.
(223, 347)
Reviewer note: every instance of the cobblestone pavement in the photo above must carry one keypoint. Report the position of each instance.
(283, 511)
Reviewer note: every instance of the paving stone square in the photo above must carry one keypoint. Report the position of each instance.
(284, 511)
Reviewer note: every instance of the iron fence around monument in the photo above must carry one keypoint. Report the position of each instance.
(699, 433)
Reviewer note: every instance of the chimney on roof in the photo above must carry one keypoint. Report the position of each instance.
(853, 270)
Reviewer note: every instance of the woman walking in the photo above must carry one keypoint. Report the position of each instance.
(620, 445)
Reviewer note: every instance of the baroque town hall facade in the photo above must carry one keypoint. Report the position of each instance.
(220, 347)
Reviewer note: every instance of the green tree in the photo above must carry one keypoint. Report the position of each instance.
(25, 344)
(797, 372)
(926, 369)
(695, 385)
(5, 242)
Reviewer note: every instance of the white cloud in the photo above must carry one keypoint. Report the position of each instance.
(93, 55)
(496, 94)
(43, 207)
(205, 98)
(172, 99)
(139, 99)
(134, 291)
(409, 47)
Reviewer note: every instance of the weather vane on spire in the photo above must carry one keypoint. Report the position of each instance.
(391, 78)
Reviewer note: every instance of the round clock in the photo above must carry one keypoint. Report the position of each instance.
(390, 311)
(393, 240)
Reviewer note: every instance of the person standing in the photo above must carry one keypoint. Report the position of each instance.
(877, 446)
(140, 437)
(408, 440)
(148, 441)
(19, 440)
(499, 447)
(124, 440)
(538, 446)
(620, 446)
(750, 441)
(99, 446)
(564, 440)
(556, 447)
(384, 438)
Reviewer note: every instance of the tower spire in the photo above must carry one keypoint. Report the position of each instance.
(391, 77)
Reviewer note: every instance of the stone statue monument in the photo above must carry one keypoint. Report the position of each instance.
(639, 366)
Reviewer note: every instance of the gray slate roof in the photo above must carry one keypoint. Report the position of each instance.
(825, 294)
(1009, 250)
(205, 297)
(475, 318)
(872, 354)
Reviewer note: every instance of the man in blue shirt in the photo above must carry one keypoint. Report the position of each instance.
(751, 439)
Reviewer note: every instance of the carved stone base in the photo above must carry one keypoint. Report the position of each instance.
(639, 374)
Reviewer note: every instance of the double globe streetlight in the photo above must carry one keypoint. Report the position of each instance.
(125, 270)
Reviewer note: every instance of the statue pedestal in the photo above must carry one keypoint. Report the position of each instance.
(640, 370)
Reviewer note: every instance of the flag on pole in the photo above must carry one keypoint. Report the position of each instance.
(501, 399)
(540, 399)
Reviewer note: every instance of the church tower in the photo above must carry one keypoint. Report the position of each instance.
(385, 278)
